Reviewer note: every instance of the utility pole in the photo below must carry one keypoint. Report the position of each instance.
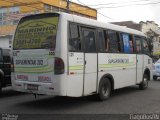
(67, 6)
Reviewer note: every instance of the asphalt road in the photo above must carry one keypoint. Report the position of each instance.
(128, 100)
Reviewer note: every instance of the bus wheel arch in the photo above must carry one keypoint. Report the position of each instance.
(106, 85)
(147, 72)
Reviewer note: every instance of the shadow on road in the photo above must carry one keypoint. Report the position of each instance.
(8, 92)
(60, 103)
(55, 103)
(125, 91)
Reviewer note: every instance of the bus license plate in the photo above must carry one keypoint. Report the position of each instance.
(32, 87)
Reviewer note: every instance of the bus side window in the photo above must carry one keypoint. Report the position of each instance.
(127, 43)
(89, 40)
(131, 44)
(101, 42)
(107, 41)
(114, 42)
(74, 40)
(138, 45)
(145, 47)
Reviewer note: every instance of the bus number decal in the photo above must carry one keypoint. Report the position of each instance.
(51, 53)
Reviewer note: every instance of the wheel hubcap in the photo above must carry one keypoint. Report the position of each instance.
(145, 82)
(105, 90)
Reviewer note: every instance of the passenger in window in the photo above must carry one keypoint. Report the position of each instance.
(107, 45)
(74, 46)
(89, 44)
(131, 46)
(138, 49)
(114, 46)
(107, 42)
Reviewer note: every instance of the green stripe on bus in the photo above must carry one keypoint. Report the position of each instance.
(34, 72)
(32, 67)
(115, 65)
(77, 67)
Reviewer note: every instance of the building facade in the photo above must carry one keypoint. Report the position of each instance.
(12, 10)
(152, 30)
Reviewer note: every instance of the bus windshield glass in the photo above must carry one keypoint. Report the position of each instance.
(36, 32)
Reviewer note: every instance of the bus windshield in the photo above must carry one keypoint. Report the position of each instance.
(36, 32)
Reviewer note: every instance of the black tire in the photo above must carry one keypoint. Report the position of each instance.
(104, 89)
(154, 77)
(144, 84)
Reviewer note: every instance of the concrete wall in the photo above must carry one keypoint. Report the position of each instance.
(146, 26)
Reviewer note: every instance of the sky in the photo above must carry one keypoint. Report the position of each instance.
(125, 10)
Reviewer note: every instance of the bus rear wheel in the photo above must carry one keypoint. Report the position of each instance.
(104, 89)
(144, 84)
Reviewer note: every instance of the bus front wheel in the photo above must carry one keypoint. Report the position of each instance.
(104, 89)
(144, 84)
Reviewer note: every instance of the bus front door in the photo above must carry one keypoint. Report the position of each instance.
(90, 61)
(140, 58)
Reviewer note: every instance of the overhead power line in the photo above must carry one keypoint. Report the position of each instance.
(138, 1)
(105, 16)
(153, 3)
(97, 11)
(122, 4)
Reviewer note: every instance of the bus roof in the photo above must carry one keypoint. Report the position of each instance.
(96, 23)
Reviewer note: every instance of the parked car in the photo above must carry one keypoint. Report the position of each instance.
(5, 68)
(156, 70)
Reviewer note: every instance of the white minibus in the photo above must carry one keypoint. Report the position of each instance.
(67, 55)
